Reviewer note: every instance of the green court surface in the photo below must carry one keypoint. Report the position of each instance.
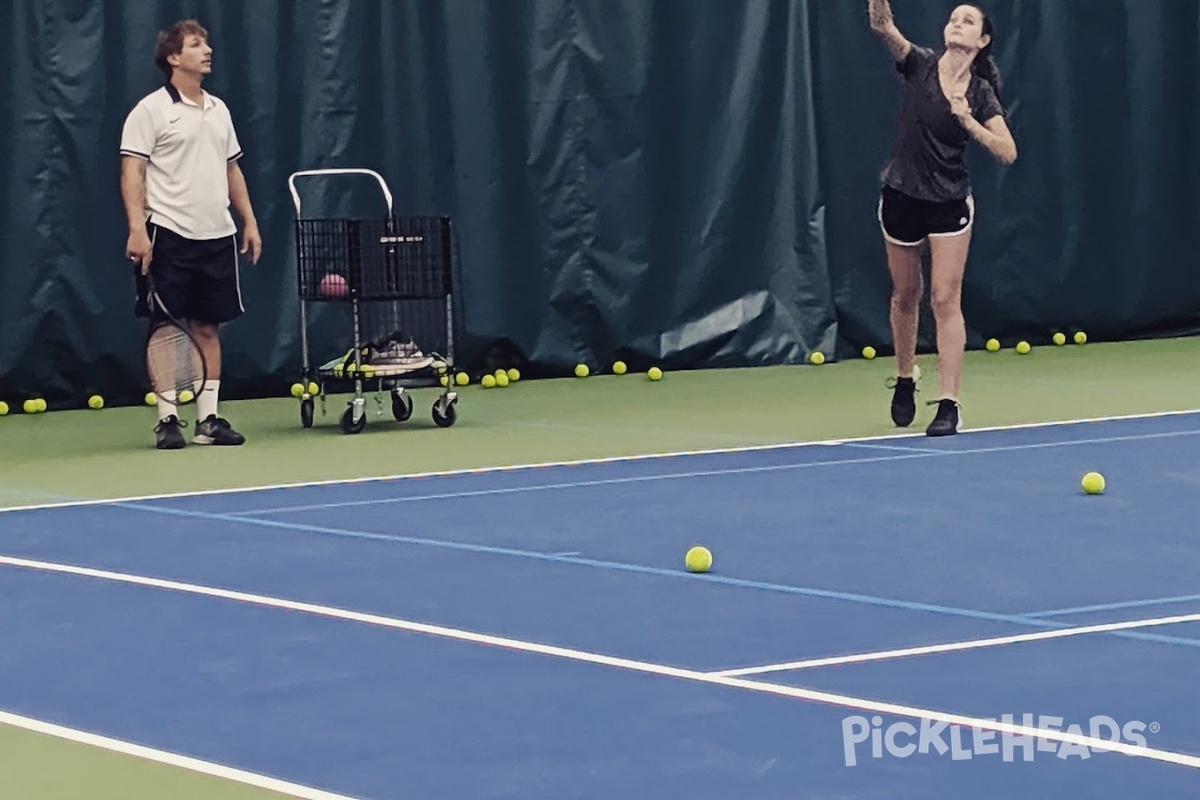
(40, 767)
(108, 453)
(85, 454)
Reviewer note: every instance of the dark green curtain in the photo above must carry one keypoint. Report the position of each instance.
(691, 183)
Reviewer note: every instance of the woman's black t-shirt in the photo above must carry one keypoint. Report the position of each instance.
(928, 154)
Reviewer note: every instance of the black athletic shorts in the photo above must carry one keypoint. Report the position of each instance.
(197, 279)
(907, 220)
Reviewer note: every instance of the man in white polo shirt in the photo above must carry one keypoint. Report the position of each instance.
(179, 177)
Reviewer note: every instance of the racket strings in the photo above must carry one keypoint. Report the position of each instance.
(174, 362)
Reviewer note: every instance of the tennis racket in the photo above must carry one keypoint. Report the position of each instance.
(175, 364)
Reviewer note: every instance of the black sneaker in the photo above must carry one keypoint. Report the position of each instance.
(169, 435)
(947, 420)
(904, 404)
(215, 430)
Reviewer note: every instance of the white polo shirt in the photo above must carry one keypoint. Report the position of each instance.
(189, 148)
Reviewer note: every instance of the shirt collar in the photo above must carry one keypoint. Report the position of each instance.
(176, 97)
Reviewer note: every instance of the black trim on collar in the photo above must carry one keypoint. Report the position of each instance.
(171, 90)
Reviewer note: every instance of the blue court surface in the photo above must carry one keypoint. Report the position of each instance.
(892, 618)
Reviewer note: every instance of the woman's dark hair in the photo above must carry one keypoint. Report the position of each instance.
(984, 65)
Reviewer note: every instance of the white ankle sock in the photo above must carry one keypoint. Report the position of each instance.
(206, 401)
(167, 408)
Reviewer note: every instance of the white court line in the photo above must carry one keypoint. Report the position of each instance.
(582, 462)
(169, 759)
(662, 670)
(910, 453)
(897, 448)
(952, 647)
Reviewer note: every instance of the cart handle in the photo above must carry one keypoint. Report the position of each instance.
(350, 171)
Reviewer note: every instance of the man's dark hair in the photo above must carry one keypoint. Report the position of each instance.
(170, 43)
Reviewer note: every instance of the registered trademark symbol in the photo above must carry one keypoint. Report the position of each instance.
(1155, 727)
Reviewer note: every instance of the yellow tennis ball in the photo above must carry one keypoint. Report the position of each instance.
(95, 401)
(30, 406)
(1023, 347)
(993, 345)
(1080, 337)
(619, 368)
(444, 380)
(186, 396)
(654, 374)
(297, 390)
(698, 559)
(462, 379)
(514, 374)
(488, 381)
(313, 388)
(1092, 483)
(868, 352)
(1060, 339)
(502, 379)
(581, 370)
(151, 399)
(500, 372)
(3, 409)
(817, 357)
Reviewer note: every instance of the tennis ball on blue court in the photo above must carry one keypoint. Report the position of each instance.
(581, 370)
(488, 381)
(1023, 347)
(619, 368)
(1060, 338)
(3, 408)
(1080, 337)
(698, 559)
(817, 357)
(993, 345)
(654, 374)
(868, 352)
(297, 390)
(95, 401)
(1092, 483)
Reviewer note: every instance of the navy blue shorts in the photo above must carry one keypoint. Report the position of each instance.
(908, 221)
(197, 279)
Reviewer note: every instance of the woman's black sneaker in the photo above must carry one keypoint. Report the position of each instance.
(904, 404)
(946, 421)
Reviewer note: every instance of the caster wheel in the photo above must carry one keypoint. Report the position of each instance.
(402, 407)
(306, 413)
(444, 419)
(348, 425)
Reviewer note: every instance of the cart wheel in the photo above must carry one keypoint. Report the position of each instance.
(306, 412)
(444, 419)
(402, 406)
(348, 425)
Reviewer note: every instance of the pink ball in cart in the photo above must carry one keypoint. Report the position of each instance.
(334, 286)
